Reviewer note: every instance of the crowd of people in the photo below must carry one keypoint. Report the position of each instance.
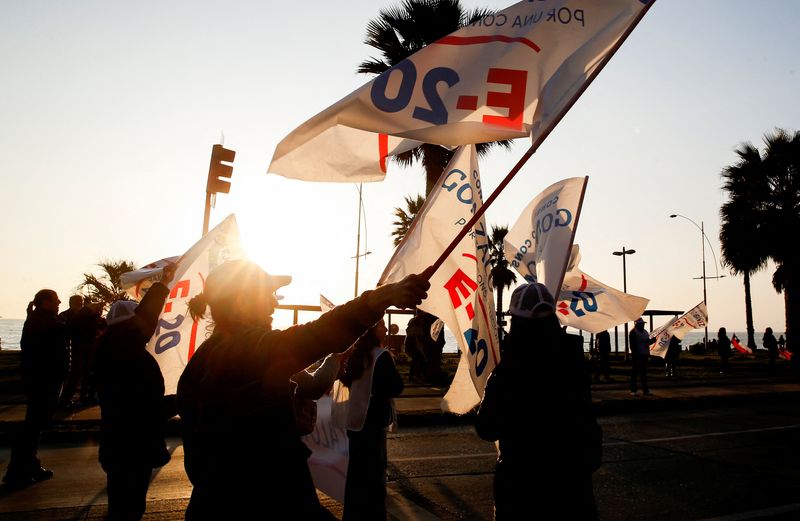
(249, 385)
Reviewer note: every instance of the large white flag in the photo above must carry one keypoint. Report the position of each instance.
(695, 318)
(177, 335)
(508, 75)
(461, 292)
(587, 304)
(538, 246)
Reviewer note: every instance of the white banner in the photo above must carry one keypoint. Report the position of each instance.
(509, 75)
(538, 246)
(461, 292)
(587, 304)
(329, 450)
(177, 335)
(695, 318)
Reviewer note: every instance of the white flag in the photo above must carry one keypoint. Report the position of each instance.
(587, 304)
(461, 292)
(512, 74)
(538, 246)
(695, 318)
(177, 335)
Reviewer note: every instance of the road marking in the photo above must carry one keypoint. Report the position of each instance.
(454, 456)
(608, 444)
(403, 509)
(755, 514)
(694, 436)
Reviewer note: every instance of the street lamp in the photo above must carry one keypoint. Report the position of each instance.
(622, 254)
(703, 240)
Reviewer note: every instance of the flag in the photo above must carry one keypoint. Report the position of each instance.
(511, 74)
(461, 292)
(739, 347)
(325, 304)
(177, 335)
(539, 244)
(695, 318)
(587, 304)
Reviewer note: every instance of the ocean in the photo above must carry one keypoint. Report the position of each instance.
(11, 330)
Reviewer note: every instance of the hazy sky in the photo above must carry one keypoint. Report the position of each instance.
(108, 111)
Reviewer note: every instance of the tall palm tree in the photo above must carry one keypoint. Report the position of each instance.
(741, 232)
(782, 168)
(405, 217)
(502, 276)
(106, 288)
(399, 32)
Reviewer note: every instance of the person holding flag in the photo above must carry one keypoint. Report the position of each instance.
(133, 407)
(243, 453)
(541, 465)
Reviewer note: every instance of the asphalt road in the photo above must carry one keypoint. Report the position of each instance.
(726, 463)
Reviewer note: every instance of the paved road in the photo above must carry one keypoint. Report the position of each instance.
(726, 463)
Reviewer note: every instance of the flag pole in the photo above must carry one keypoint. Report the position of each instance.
(527, 155)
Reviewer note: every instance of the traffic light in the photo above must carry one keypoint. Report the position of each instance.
(219, 173)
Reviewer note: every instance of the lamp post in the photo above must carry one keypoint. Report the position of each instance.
(622, 254)
(703, 240)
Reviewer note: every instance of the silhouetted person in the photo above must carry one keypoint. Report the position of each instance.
(640, 341)
(73, 377)
(415, 346)
(133, 407)
(373, 380)
(243, 453)
(603, 350)
(781, 343)
(672, 356)
(723, 349)
(543, 467)
(771, 345)
(44, 365)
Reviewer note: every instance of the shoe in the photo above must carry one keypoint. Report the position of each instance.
(41, 474)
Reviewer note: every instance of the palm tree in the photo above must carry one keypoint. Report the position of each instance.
(742, 227)
(502, 276)
(782, 218)
(405, 217)
(399, 32)
(106, 287)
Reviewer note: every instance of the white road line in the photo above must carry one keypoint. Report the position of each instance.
(403, 509)
(608, 444)
(443, 457)
(695, 436)
(755, 514)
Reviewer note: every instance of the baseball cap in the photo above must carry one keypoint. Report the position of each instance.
(120, 311)
(531, 300)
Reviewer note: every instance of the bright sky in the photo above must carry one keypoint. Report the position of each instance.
(108, 111)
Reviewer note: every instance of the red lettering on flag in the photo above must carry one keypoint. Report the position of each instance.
(383, 150)
(183, 286)
(460, 283)
(514, 100)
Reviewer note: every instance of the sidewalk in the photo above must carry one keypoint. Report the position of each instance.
(420, 405)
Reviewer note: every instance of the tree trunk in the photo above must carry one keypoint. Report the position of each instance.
(748, 311)
(791, 293)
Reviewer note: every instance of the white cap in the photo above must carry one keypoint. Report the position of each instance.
(531, 300)
(120, 311)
